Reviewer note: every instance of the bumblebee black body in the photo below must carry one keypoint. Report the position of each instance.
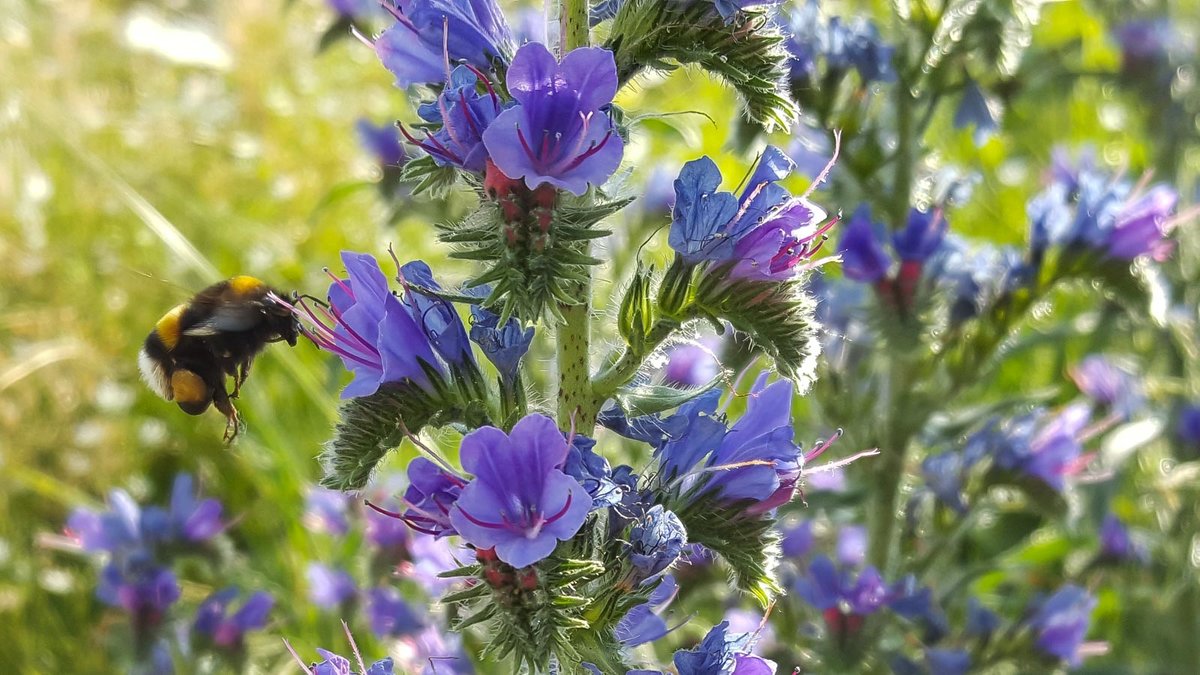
(215, 335)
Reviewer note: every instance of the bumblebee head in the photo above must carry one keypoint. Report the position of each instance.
(192, 393)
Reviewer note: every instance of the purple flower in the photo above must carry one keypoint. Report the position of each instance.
(384, 531)
(1117, 544)
(463, 114)
(437, 317)
(863, 257)
(431, 493)
(948, 661)
(944, 475)
(1187, 429)
(520, 502)
(325, 511)
(111, 530)
(1061, 622)
(432, 652)
(859, 45)
(707, 224)
(975, 111)
(786, 237)
(593, 473)
(351, 8)
(749, 621)
(332, 664)
(721, 653)
(915, 603)
(843, 600)
(981, 621)
(921, 237)
(328, 587)
(688, 435)
(373, 332)
(557, 132)
(382, 141)
(193, 519)
(797, 539)
(691, 364)
(1139, 227)
(429, 33)
(214, 622)
(430, 557)
(852, 545)
(1144, 42)
(762, 435)
(1049, 454)
(1108, 384)
(655, 542)
(143, 590)
(390, 615)
(505, 345)
(644, 622)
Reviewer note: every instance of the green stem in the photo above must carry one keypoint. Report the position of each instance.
(625, 367)
(574, 24)
(576, 404)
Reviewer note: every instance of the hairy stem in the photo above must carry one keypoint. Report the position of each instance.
(574, 24)
(624, 368)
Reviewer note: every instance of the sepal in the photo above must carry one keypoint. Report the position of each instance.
(749, 545)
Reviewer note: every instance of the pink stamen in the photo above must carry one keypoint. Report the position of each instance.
(596, 147)
(820, 448)
(562, 512)
(336, 317)
(462, 97)
(486, 83)
(837, 148)
(525, 145)
(842, 462)
(483, 523)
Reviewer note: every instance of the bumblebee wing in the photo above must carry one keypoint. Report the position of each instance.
(228, 318)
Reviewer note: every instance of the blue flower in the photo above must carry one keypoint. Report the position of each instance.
(707, 224)
(431, 493)
(975, 111)
(429, 33)
(760, 460)
(328, 587)
(325, 511)
(807, 31)
(843, 599)
(214, 622)
(1051, 453)
(520, 501)
(1187, 429)
(915, 603)
(463, 114)
(1106, 383)
(921, 237)
(557, 133)
(390, 615)
(373, 332)
(860, 46)
(948, 661)
(721, 653)
(1140, 226)
(1061, 622)
(981, 621)
(861, 247)
(593, 473)
(384, 531)
(797, 539)
(332, 664)
(690, 434)
(644, 622)
(692, 364)
(655, 542)
(382, 141)
(944, 474)
(852, 545)
(192, 519)
(505, 345)
(1117, 544)
(437, 317)
(141, 588)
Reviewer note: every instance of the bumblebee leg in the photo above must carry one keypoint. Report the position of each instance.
(233, 422)
(243, 370)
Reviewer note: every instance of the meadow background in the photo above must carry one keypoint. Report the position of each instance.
(149, 149)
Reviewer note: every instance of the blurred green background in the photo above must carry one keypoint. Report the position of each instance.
(147, 150)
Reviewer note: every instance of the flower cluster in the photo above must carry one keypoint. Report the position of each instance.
(839, 45)
(865, 260)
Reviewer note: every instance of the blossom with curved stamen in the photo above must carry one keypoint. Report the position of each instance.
(863, 257)
(520, 501)
(723, 653)
(1110, 385)
(505, 345)
(431, 493)
(437, 317)
(214, 622)
(1061, 621)
(430, 33)
(463, 113)
(374, 333)
(557, 133)
(655, 542)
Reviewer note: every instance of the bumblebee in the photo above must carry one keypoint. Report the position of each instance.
(215, 335)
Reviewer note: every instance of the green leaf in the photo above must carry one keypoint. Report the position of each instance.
(649, 399)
